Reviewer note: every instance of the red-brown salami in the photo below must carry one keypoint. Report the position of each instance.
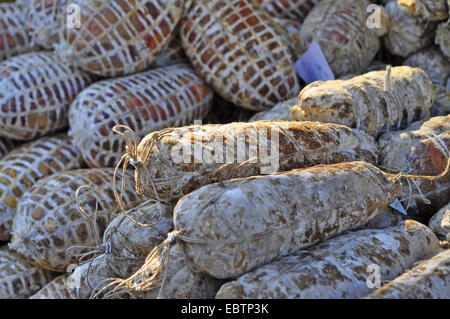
(36, 90)
(119, 37)
(146, 102)
(48, 220)
(27, 164)
(239, 51)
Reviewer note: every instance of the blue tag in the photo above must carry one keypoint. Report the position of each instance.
(398, 207)
(313, 66)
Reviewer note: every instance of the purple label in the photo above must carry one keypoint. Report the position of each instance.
(398, 207)
(313, 66)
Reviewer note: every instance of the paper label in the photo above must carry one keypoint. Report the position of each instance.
(398, 207)
(313, 66)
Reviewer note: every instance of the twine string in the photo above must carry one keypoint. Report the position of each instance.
(131, 156)
(91, 250)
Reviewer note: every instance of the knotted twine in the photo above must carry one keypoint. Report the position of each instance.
(92, 250)
(141, 170)
(98, 249)
(441, 146)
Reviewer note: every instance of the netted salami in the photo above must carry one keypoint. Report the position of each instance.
(48, 220)
(341, 31)
(146, 102)
(14, 39)
(119, 37)
(240, 52)
(375, 102)
(176, 161)
(25, 165)
(429, 279)
(18, 278)
(36, 90)
(338, 268)
(422, 149)
(406, 35)
(433, 62)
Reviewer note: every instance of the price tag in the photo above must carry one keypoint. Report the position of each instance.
(398, 207)
(313, 66)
